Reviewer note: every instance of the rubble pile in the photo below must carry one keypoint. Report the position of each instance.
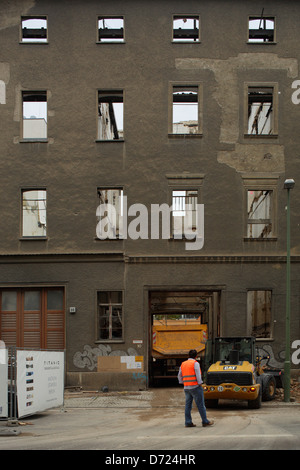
(294, 393)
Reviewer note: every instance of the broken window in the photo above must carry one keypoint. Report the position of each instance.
(110, 29)
(259, 313)
(110, 213)
(186, 29)
(261, 29)
(34, 29)
(184, 212)
(260, 111)
(259, 214)
(34, 213)
(34, 114)
(110, 315)
(110, 115)
(185, 110)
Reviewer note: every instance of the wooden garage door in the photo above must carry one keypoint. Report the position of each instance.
(33, 318)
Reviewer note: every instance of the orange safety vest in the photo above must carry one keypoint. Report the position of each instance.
(188, 373)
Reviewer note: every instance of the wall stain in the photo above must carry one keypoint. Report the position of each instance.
(245, 157)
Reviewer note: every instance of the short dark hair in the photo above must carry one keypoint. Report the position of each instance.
(193, 353)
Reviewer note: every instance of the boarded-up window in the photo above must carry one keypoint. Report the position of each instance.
(259, 313)
(33, 318)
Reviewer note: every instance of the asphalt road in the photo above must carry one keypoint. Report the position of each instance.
(152, 421)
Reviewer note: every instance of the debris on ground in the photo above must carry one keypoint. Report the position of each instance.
(294, 392)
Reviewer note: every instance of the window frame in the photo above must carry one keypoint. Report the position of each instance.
(110, 305)
(187, 17)
(52, 333)
(275, 109)
(110, 41)
(261, 183)
(34, 17)
(33, 237)
(261, 17)
(185, 86)
(250, 322)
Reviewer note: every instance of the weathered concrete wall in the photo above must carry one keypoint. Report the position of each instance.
(72, 164)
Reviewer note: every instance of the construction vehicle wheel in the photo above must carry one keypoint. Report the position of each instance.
(269, 387)
(255, 404)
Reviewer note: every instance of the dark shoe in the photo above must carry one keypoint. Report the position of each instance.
(210, 423)
(192, 425)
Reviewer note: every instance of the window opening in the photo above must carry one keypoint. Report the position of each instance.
(34, 114)
(185, 113)
(261, 29)
(34, 29)
(110, 224)
(184, 211)
(186, 28)
(260, 214)
(110, 115)
(259, 312)
(34, 213)
(110, 315)
(110, 29)
(260, 111)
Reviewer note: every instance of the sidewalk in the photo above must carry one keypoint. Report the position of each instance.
(152, 419)
(154, 398)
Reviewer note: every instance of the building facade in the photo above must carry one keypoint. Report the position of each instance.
(144, 149)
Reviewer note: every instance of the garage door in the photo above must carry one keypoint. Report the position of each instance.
(33, 317)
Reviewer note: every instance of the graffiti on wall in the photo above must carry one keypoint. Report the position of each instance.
(88, 358)
(267, 350)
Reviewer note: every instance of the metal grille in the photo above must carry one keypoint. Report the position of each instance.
(239, 378)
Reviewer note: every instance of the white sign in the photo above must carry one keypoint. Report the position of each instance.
(40, 381)
(3, 383)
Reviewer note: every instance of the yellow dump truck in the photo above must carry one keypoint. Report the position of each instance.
(171, 341)
(234, 371)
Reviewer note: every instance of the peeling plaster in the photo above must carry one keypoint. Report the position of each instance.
(2, 92)
(18, 104)
(11, 12)
(245, 157)
(4, 79)
(254, 157)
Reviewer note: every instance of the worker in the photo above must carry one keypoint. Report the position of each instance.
(190, 376)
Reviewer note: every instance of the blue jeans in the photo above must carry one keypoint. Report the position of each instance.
(197, 395)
